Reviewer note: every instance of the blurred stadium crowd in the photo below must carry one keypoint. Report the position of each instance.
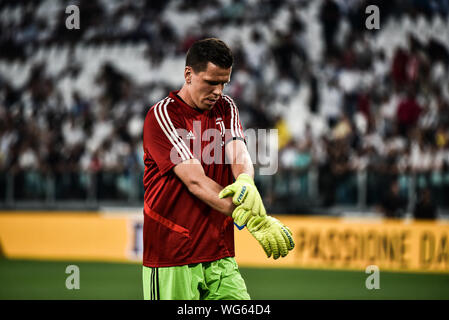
(366, 110)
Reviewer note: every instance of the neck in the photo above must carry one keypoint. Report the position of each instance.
(185, 95)
(187, 98)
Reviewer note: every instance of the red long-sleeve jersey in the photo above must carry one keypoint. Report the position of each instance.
(178, 227)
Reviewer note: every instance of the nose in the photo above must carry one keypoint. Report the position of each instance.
(218, 90)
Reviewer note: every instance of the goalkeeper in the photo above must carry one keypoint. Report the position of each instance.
(191, 205)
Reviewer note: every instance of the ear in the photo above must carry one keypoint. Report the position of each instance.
(188, 72)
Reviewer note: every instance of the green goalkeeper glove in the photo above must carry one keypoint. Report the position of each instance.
(246, 197)
(275, 238)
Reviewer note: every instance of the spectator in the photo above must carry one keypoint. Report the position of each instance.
(330, 19)
(408, 112)
(425, 208)
(393, 204)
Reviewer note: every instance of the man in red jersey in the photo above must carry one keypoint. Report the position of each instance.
(194, 146)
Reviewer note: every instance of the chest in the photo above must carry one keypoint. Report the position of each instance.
(204, 135)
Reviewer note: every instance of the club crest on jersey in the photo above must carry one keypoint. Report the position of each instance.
(219, 122)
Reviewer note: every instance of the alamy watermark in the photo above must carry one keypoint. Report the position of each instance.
(373, 20)
(72, 282)
(373, 280)
(73, 20)
(209, 147)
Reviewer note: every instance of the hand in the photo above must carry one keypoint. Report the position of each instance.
(241, 216)
(274, 237)
(246, 197)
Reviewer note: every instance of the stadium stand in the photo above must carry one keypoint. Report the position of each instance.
(359, 109)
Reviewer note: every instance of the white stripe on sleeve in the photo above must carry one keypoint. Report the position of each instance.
(158, 115)
(235, 129)
(172, 129)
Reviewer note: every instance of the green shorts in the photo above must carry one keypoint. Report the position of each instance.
(216, 280)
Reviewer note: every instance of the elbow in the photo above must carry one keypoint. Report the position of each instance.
(193, 185)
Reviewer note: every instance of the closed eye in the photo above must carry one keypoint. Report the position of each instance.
(215, 83)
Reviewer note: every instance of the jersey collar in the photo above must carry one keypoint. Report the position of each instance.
(196, 111)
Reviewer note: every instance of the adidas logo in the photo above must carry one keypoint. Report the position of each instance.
(190, 135)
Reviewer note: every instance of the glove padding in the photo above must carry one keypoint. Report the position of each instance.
(246, 197)
(275, 238)
(241, 217)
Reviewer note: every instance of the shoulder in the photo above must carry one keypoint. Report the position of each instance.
(228, 102)
(227, 105)
(165, 104)
(163, 111)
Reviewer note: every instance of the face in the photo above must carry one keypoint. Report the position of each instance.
(206, 87)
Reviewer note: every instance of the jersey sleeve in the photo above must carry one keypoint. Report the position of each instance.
(162, 137)
(231, 118)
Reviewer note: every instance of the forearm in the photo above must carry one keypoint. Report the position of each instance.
(191, 173)
(240, 159)
(244, 166)
(207, 191)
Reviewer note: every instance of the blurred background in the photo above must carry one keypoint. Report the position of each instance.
(359, 112)
(362, 115)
